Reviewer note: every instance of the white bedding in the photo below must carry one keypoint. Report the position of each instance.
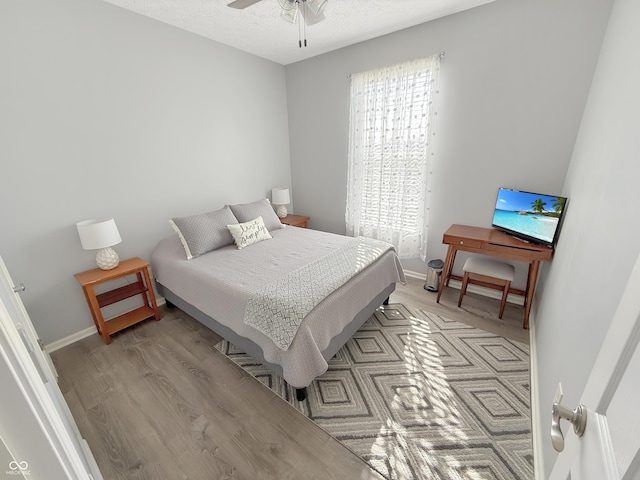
(221, 282)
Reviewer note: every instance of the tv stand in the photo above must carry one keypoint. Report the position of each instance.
(495, 243)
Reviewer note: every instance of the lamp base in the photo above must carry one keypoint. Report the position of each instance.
(281, 211)
(107, 258)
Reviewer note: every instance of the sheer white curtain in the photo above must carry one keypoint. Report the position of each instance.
(390, 151)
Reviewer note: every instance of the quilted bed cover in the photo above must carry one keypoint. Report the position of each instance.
(221, 283)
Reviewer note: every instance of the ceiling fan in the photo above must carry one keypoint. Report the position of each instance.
(310, 10)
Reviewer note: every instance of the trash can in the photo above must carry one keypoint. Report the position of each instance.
(434, 271)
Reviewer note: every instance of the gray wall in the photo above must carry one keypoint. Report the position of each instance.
(107, 113)
(600, 238)
(515, 77)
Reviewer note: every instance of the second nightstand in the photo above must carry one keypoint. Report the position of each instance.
(132, 266)
(295, 220)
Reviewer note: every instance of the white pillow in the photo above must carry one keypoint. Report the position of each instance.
(248, 233)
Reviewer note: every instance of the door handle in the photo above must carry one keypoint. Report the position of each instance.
(19, 288)
(577, 418)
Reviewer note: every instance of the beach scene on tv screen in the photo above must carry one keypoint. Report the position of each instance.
(531, 214)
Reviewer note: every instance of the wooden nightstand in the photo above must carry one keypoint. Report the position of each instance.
(133, 266)
(295, 220)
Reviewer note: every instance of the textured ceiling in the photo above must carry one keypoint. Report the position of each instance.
(260, 30)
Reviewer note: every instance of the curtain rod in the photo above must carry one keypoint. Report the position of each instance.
(441, 54)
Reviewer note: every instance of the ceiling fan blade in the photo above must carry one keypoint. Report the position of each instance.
(316, 6)
(240, 4)
(312, 11)
(290, 16)
(289, 10)
(311, 19)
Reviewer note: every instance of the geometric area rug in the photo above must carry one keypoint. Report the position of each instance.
(418, 396)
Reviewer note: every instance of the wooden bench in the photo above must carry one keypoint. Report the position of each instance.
(480, 269)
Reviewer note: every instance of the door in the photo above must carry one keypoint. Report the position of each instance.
(610, 446)
(37, 429)
(10, 296)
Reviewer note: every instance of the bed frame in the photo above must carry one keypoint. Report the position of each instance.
(254, 350)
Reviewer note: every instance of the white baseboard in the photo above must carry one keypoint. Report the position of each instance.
(87, 332)
(487, 292)
(537, 433)
(412, 274)
(74, 337)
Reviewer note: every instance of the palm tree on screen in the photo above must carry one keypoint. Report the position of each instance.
(558, 204)
(538, 205)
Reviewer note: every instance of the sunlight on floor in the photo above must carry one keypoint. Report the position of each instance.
(429, 399)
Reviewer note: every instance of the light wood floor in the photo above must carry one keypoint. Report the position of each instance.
(161, 403)
(476, 310)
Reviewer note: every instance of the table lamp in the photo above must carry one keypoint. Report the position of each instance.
(280, 199)
(100, 234)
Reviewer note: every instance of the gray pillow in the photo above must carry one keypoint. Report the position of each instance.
(245, 212)
(203, 233)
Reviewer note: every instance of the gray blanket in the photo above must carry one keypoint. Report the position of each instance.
(278, 308)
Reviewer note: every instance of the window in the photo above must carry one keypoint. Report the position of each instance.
(390, 130)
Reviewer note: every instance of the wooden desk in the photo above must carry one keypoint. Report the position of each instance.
(489, 241)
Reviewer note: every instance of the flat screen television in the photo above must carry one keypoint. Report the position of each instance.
(534, 217)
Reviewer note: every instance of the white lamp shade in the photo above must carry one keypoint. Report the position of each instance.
(280, 196)
(98, 233)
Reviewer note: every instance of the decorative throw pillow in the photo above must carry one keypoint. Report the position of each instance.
(248, 233)
(245, 212)
(203, 233)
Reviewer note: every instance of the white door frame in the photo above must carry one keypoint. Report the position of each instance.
(36, 425)
(31, 427)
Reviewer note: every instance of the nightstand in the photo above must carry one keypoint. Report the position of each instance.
(295, 220)
(92, 278)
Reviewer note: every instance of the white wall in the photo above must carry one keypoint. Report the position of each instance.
(104, 112)
(515, 77)
(601, 235)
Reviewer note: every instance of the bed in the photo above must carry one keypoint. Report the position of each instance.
(219, 288)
